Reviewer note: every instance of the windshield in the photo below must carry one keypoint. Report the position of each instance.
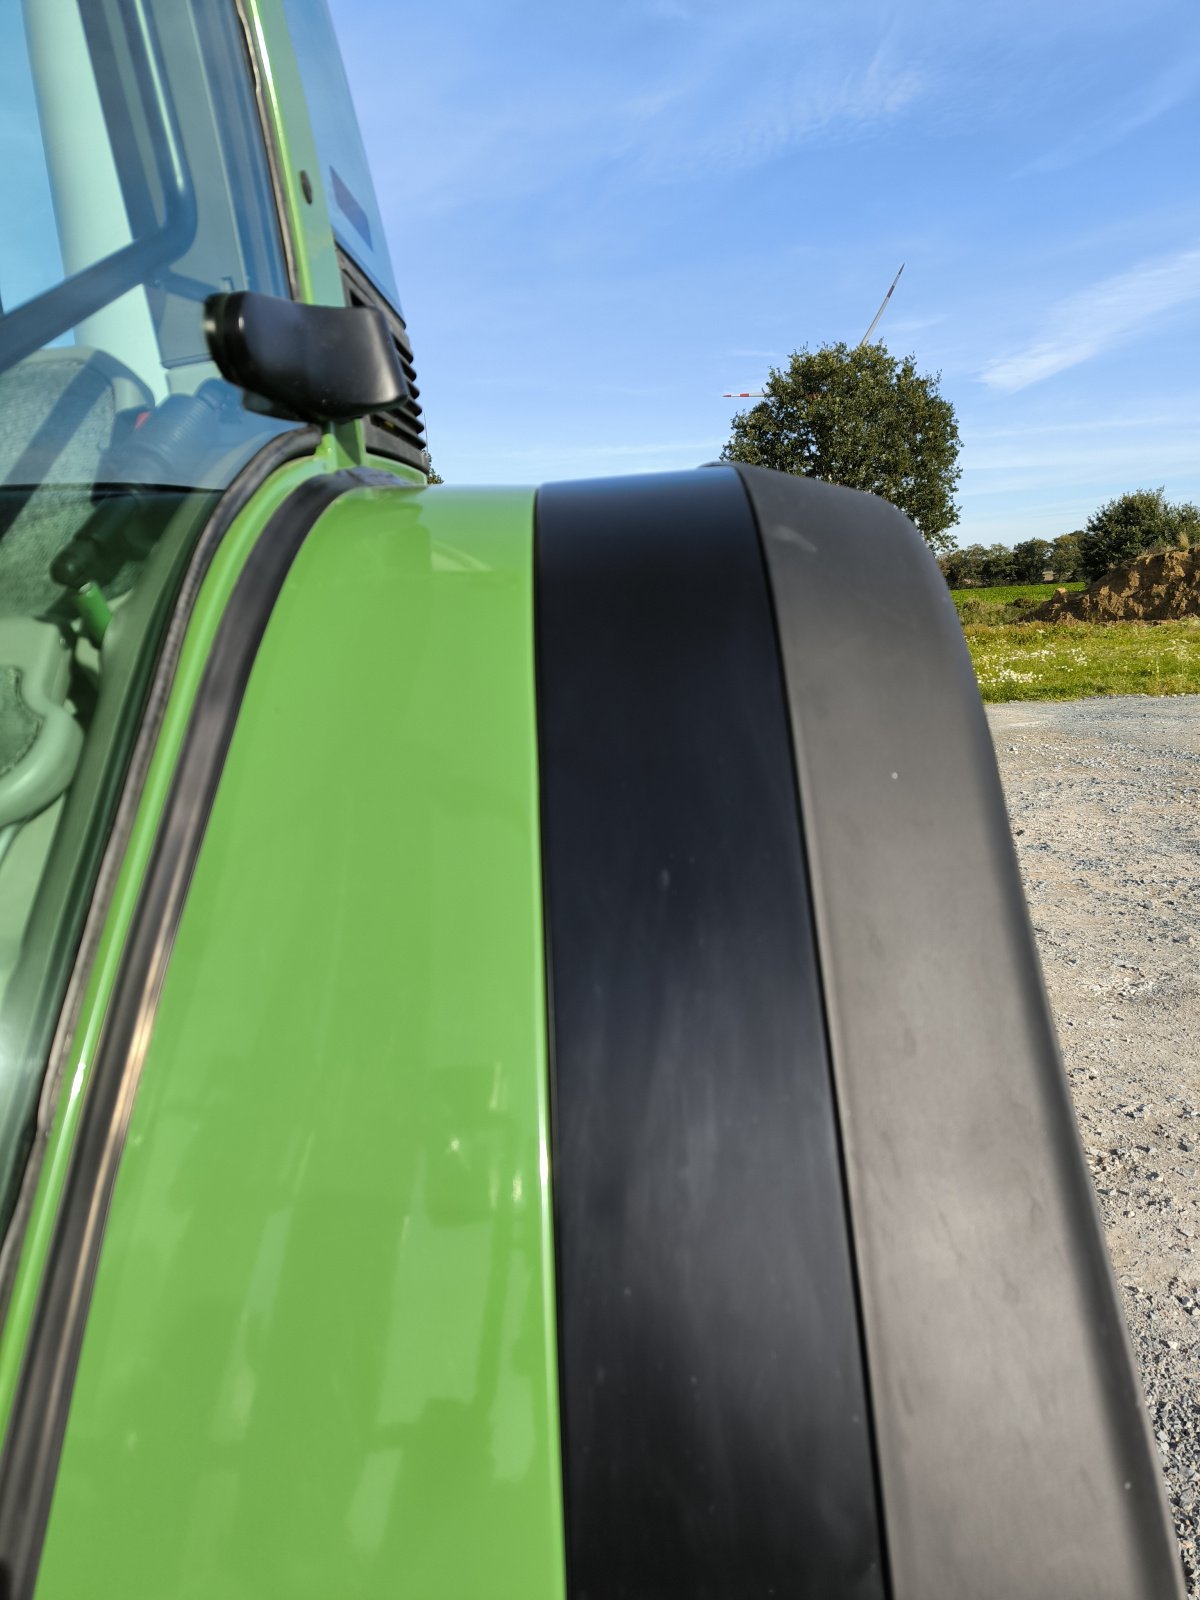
(133, 184)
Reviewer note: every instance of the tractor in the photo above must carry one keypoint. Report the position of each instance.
(524, 1069)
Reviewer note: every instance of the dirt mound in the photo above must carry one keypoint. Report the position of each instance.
(1162, 586)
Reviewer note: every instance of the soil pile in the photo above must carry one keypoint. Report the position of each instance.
(1162, 586)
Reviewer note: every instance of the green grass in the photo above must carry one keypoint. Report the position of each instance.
(1005, 603)
(1072, 660)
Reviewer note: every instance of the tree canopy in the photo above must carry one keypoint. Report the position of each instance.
(860, 417)
(1030, 559)
(1065, 560)
(979, 564)
(1026, 562)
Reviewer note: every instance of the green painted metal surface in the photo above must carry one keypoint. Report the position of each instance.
(320, 1355)
(210, 607)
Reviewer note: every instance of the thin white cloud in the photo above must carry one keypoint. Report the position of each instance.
(514, 102)
(1177, 84)
(1188, 403)
(902, 327)
(711, 90)
(1046, 476)
(831, 98)
(1083, 325)
(1036, 519)
(1127, 467)
(1148, 451)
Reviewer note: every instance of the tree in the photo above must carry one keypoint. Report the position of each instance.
(1132, 524)
(997, 565)
(963, 567)
(1187, 524)
(1065, 556)
(1030, 559)
(859, 417)
(982, 564)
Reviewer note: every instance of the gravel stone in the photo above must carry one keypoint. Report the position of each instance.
(1104, 798)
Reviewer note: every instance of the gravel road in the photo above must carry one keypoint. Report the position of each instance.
(1104, 797)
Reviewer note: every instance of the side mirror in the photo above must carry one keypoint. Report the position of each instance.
(320, 363)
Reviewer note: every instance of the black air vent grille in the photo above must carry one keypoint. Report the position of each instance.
(400, 432)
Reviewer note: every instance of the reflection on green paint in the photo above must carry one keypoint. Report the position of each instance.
(320, 1356)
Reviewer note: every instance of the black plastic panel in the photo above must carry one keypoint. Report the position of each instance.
(322, 363)
(716, 1442)
(1015, 1456)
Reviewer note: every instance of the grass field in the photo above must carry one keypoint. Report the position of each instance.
(1006, 603)
(1016, 659)
(1071, 660)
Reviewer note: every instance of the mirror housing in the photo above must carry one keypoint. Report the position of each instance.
(318, 363)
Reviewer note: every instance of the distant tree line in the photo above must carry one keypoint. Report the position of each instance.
(1027, 562)
(1121, 529)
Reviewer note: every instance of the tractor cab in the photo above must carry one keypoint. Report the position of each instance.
(479, 1110)
(157, 154)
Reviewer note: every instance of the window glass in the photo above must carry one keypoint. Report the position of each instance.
(133, 184)
(353, 208)
(32, 255)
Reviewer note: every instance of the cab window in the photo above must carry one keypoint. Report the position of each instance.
(133, 184)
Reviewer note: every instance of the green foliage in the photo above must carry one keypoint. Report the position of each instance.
(1132, 524)
(1023, 563)
(997, 566)
(1187, 524)
(961, 567)
(978, 564)
(1066, 558)
(1030, 559)
(862, 418)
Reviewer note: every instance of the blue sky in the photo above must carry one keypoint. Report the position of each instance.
(604, 215)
